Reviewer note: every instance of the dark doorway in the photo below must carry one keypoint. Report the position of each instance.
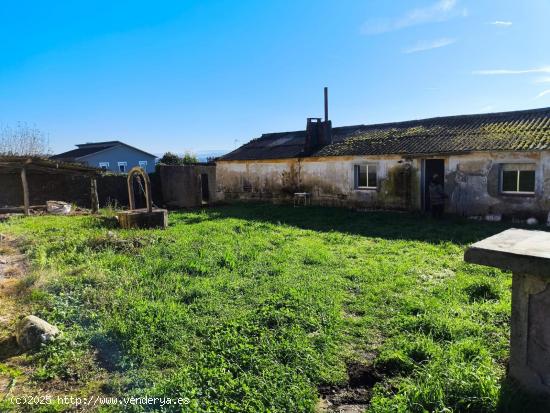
(205, 192)
(432, 167)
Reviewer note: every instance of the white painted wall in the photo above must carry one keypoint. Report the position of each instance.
(471, 180)
(328, 180)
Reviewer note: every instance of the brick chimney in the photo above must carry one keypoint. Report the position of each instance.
(318, 132)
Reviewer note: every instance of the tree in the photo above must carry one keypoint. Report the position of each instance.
(189, 158)
(23, 140)
(170, 158)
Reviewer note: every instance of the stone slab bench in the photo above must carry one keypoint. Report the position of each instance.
(527, 255)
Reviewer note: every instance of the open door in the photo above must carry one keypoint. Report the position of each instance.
(432, 167)
(205, 192)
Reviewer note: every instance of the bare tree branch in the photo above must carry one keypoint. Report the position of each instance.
(23, 140)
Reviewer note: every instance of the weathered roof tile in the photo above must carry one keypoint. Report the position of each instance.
(513, 131)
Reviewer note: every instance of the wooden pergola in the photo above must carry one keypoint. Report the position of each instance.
(23, 164)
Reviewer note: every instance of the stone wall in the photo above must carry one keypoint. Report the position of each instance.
(112, 189)
(182, 184)
(330, 181)
(472, 182)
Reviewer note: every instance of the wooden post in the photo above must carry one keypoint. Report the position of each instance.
(94, 196)
(25, 185)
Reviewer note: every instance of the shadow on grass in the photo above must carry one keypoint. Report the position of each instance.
(513, 399)
(380, 224)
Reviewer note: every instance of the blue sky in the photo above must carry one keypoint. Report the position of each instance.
(202, 75)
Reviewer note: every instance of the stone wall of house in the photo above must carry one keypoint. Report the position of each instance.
(472, 182)
(330, 181)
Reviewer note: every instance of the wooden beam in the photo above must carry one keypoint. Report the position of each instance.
(25, 185)
(94, 196)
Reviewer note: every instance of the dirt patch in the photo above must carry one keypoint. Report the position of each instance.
(13, 266)
(8, 348)
(354, 396)
(18, 371)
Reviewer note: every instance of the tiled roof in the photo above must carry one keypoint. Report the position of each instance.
(270, 146)
(527, 130)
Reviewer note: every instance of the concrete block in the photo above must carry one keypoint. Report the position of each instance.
(141, 218)
(516, 250)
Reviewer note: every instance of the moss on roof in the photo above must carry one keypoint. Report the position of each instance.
(527, 130)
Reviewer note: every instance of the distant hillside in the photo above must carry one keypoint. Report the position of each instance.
(203, 156)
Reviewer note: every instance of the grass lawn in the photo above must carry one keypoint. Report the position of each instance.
(255, 308)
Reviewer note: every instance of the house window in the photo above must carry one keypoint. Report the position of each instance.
(366, 176)
(122, 167)
(143, 164)
(104, 165)
(517, 178)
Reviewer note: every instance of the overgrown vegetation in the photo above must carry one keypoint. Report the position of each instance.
(256, 308)
(170, 158)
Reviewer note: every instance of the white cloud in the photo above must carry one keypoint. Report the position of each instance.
(428, 45)
(501, 23)
(545, 79)
(544, 69)
(543, 93)
(438, 12)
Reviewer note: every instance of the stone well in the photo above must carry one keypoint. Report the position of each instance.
(142, 218)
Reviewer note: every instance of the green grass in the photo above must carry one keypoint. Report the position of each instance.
(253, 308)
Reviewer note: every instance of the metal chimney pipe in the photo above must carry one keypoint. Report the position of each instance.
(326, 104)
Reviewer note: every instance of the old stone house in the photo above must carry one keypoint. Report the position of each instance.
(497, 163)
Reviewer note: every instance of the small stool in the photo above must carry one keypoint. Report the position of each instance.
(303, 198)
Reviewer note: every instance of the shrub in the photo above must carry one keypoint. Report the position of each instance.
(170, 158)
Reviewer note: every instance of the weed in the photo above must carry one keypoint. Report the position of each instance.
(393, 362)
(482, 290)
(110, 208)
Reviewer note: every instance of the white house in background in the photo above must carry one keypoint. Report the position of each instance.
(114, 156)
